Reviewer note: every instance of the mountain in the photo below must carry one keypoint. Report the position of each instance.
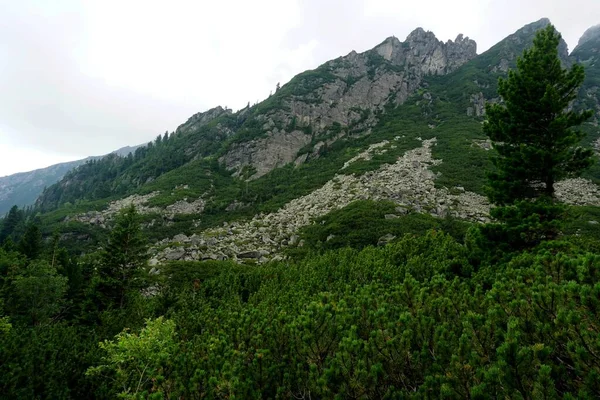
(400, 122)
(587, 53)
(22, 189)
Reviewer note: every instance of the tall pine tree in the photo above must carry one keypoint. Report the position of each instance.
(532, 127)
(532, 131)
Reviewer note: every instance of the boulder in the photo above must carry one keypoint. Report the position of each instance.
(385, 239)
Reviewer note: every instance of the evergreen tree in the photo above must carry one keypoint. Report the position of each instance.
(38, 292)
(532, 126)
(10, 223)
(532, 131)
(122, 259)
(31, 243)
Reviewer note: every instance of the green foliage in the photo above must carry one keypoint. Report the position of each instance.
(37, 292)
(411, 320)
(532, 127)
(510, 313)
(31, 242)
(47, 362)
(362, 223)
(536, 145)
(121, 261)
(525, 224)
(141, 362)
(10, 223)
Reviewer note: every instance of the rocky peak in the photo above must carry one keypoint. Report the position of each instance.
(592, 33)
(590, 41)
(534, 26)
(513, 45)
(202, 118)
(423, 50)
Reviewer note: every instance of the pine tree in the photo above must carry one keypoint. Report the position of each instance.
(10, 223)
(532, 127)
(532, 131)
(31, 243)
(122, 259)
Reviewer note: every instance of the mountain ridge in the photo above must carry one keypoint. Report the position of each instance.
(221, 167)
(23, 188)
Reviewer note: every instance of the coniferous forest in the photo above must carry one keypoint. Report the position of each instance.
(508, 309)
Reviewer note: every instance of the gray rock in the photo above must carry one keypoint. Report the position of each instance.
(181, 238)
(391, 216)
(385, 239)
(250, 254)
(175, 254)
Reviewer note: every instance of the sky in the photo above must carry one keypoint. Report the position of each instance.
(81, 78)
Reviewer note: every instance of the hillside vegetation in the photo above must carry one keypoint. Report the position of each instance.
(304, 248)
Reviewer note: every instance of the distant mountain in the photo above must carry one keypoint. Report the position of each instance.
(23, 188)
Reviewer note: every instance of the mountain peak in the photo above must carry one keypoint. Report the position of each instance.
(533, 27)
(423, 47)
(589, 34)
(420, 34)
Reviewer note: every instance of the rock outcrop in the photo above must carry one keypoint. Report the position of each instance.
(429, 55)
(342, 96)
(200, 119)
(102, 218)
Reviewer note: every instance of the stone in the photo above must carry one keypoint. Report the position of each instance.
(385, 239)
(175, 254)
(249, 254)
(391, 216)
(181, 238)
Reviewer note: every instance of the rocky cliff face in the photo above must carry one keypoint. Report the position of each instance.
(343, 96)
(422, 51)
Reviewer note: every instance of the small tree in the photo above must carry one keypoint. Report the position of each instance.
(10, 223)
(31, 243)
(141, 363)
(38, 292)
(122, 260)
(532, 131)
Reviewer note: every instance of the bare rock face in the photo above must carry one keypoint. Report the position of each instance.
(422, 49)
(343, 95)
(266, 154)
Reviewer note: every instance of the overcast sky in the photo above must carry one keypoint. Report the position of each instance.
(81, 78)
